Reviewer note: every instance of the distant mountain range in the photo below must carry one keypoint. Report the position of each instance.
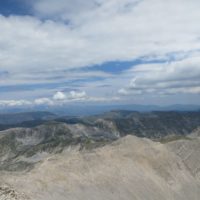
(91, 109)
(153, 124)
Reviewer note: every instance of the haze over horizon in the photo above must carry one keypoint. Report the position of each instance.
(99, 52)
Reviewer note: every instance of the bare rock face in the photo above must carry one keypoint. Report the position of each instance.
(130, 168)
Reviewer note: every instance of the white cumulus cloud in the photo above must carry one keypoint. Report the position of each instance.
(59, 96)
(77, 95)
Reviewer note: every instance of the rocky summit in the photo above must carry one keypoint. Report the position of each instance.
(129, 168)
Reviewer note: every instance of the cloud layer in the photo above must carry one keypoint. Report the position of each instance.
(51, 50)
(59, 98)
(170, 78)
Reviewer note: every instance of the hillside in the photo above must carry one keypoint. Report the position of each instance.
(21, 148)
(129, 168)
(17, 118)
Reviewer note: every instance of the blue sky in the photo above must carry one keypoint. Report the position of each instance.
(98, 51)
(15, 7)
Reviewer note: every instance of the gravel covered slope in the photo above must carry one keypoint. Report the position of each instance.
(129, 168)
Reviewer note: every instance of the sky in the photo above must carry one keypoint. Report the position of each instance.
(99, 51)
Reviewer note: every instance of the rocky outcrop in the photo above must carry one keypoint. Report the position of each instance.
(7, 193)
